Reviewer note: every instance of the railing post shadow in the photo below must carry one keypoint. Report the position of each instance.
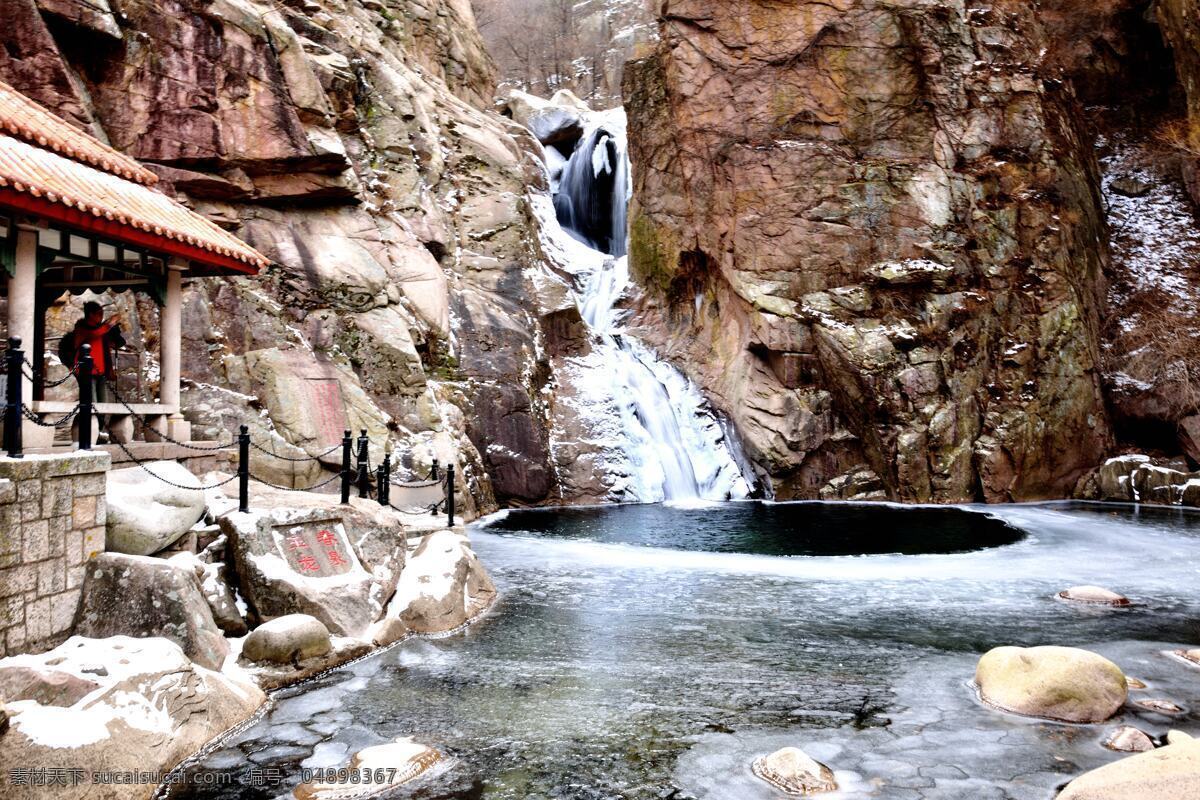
(244, 469)
(364, 475)
(86, 399)
(450, 493)
(347, 444)
(14, 358)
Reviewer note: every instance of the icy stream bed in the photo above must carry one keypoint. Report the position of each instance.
(622, 661)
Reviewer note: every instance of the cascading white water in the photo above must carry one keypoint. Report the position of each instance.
(676, 444)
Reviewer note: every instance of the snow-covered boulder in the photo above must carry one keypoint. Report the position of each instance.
(1155, 484)
(287, 640)
(394, 763)
(296, 561)
(549, 121)
(1061, 683)
(216, 592)
(151, 709)
(142, 597)
(377, 533)
(1114, 476)
(793, 771)
(1168, 773)
(146, 514)
(443, 585)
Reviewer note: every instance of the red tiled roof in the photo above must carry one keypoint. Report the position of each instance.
(64, 173)
(26, 120)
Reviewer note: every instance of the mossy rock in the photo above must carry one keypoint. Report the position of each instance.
(1059, 683)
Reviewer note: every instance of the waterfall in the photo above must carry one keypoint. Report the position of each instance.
(675, 443)
(593, 192)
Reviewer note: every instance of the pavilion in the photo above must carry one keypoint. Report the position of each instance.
(75, 214)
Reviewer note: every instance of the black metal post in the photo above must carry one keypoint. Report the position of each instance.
(86, 366)
(12, 408)
(381, 482)
(364, 475)
(433, 471)
(385, 485)
(450, 493)
(347, 444)
(244, 469)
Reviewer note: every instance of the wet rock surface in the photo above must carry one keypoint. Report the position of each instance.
(1137, 478)
(1127, 739)
(400, 762)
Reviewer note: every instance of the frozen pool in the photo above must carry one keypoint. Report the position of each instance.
(654, 652)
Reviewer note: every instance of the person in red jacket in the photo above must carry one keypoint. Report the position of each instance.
(105, 338)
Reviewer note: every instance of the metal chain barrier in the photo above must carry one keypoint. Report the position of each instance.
(155, 475)
(317, 457)
(314, 487)
(166, 436)
(32, 417)
(52, 384)
(372, 482)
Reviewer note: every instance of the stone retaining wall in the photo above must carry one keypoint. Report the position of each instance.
(52, 515)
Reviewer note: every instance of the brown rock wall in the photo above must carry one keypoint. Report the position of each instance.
(883, 221)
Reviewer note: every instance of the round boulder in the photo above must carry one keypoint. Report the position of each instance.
(1128, 739)
(1096, 595)
(146, 513)
(1167, 773)
(286, 640)
(1060, 683)
(793, 771)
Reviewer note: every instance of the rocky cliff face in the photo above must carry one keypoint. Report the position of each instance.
(345, 141)
(884, 221)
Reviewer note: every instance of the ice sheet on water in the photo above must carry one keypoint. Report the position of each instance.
(941, 742)
(327, 754)
(612, 670)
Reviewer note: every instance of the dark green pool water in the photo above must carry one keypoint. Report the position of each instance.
(769, 529)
